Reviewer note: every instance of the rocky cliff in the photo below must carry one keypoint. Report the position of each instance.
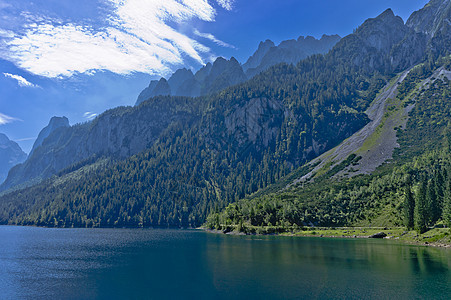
(117, 133)
(54, 124)
(290, 51)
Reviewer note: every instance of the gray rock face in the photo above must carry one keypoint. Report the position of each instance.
(428, 19)
(54, 124)
(155, 88)
(147, 93)
(252, 122)
(178, 79)
(371, 44)
(118, 133)
(434, 21)
(291, 52)
(255, 60)
(10, 155)
(209, 79)
(223, 73)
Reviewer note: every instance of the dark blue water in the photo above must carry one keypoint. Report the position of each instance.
(38, 263)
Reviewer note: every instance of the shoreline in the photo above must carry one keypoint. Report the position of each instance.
(437, 237)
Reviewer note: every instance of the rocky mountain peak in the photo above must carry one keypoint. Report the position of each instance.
(54, 124)
(255, 60)
(426, 20)
(3, 139)
(178, 78)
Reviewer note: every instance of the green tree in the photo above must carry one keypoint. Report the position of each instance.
(420, 220)
(409, 208)
(433, 208)
(447, 203)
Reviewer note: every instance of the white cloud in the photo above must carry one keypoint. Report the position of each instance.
(4, 119)
(6, 33)
(22, 82)
(227, 4)
(212, 38)
(138, 38)
(89, 115)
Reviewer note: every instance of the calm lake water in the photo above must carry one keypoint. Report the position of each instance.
(39, 263)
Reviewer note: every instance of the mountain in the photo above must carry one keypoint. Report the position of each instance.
(10, 155)
(290, 51)
(54, 124)
(192, 157)
(224, 73)
(367, 179)
(209, 79)
(117, 133)
(256, 59)
(434, 22)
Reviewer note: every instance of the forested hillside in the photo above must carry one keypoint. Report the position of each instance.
(243, 139)
(413, 189)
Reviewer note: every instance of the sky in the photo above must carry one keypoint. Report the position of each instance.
(79, 58)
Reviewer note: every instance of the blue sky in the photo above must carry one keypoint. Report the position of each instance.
(79, 58)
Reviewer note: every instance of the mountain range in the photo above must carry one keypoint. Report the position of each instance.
(224, 73)
(284, 134)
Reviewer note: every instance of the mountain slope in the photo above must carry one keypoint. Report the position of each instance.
(117, 133)
(54, 124)
(342, 198)
(10, 155)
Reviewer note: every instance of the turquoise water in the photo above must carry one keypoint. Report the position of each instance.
(39, 263)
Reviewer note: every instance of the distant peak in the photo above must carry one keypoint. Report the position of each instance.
(267, 43)
(59, 121)
(3, 138)
(387, 14)
(220, 59)
(334, 36)
(233, 60)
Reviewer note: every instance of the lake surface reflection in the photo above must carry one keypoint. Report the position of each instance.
(186, 264)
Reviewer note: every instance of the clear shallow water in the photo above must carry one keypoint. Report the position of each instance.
(39, 263)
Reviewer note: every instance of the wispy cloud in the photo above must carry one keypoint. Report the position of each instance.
(22, 82)
(25, 139)
(4, 5)
(138, 36)
(212, 38)
(4, 119)
(227, 4)
(89, 115)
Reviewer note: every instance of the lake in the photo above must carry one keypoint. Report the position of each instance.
(41, 263)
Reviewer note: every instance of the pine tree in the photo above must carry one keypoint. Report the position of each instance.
(447, 203)
(409, 208)
(433, 209)
(420, 218)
